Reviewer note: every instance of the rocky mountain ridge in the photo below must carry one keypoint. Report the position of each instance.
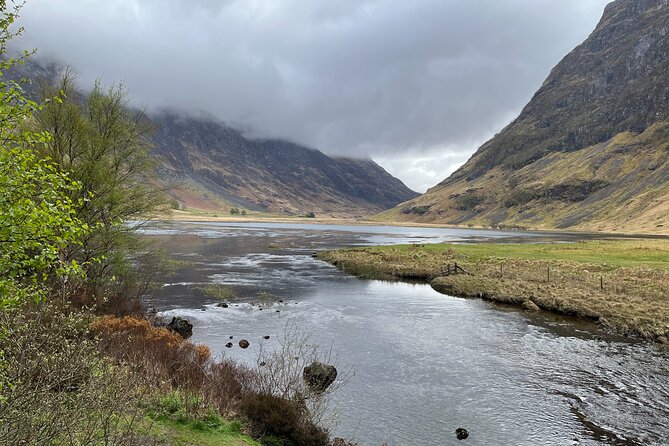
(271, 175)
(589, 151)
(208, 165)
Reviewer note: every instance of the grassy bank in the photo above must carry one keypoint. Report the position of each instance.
(621, 284)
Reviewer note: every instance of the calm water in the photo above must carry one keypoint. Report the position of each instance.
(423, 363)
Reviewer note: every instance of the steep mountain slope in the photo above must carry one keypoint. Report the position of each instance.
(212, 159)
(588, 151)
(211, 166)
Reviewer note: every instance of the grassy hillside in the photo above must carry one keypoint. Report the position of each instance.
(619, 185)
(589, 151)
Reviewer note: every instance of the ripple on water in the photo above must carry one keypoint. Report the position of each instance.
(424, 363)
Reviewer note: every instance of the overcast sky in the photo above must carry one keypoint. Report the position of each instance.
(416, 85)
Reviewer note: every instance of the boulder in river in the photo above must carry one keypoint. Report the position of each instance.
(244, 343)
(229, 345)
(266, 337)
(319, 376)
(223, 305)
(461, 433)
(181, 326)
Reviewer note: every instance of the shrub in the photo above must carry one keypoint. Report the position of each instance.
(162, 354)
(270, 415)
(468, 201)
(62, 390)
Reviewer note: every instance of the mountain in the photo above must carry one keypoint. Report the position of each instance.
(210, 165)
(216, 165)
(589, 151)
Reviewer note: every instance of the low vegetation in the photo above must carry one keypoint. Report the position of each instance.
(81, 363)
(623, 284)
(219, 291)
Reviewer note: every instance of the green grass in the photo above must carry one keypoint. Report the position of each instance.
(169, 422)
(648, 253)
(212, 432)
(622, 284)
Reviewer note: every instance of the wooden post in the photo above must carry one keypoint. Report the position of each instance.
(548, 274)
(601, 282)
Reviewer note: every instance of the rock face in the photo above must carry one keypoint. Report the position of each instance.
(218, 163)
(588, 151)
(181, 327)
(319, 376)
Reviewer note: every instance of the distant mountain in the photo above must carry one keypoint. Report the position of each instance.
(591, 148)
(213, 160)
(210, 165)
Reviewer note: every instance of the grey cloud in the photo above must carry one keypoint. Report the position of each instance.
(376, 78)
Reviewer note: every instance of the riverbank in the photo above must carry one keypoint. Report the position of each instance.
(256, 217)
(623, 285)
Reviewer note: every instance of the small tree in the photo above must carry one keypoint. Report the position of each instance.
(106, 146)
(38, 219)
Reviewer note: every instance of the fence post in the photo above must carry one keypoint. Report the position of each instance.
(548, 274)
(601, 282)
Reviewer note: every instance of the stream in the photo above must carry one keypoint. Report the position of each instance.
(421, 363)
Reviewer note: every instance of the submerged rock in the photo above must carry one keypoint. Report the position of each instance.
(319, 376)
(461, 433)
(229, 345)
(181, 326)
(265, 337)
(223, 305)
(244, 343)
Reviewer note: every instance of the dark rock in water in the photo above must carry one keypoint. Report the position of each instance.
(244, 343)
(203, 309)
(265, 337)
(280, 301)
(461, 433)
(262, 364)
(181, 326)
(223, 305)
(229, 345)
(231, 337)
(319, 376)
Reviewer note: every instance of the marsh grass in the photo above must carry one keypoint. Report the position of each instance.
(218, 291)
(621, 284)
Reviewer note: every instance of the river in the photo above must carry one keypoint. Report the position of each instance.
(421, 363)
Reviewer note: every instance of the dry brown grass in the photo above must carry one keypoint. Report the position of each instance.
(634, 299)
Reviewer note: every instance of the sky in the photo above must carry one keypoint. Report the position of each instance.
(415, 85)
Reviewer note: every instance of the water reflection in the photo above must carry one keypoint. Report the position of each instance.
(424, 363)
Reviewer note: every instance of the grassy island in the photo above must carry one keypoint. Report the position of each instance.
(622, 284)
